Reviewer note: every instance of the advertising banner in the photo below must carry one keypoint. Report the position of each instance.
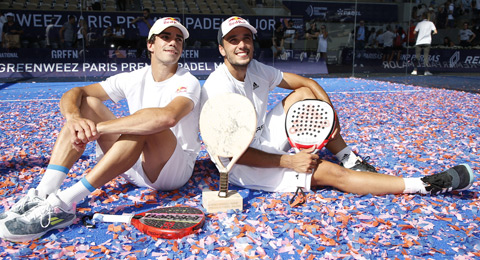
(440, 60)
(344, 12)
(103, 62)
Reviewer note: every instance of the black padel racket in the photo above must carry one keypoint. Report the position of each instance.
(310, 123)
(168, 222)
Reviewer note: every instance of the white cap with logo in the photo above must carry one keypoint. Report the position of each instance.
(232, 23)
(164, 23)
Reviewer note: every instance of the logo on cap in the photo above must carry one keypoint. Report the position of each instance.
(236, 20)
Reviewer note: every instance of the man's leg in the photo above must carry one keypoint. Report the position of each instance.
(64, 156)
(62, 159)
(418, 50)
(426, 59)
(457, 178)
(122, 155)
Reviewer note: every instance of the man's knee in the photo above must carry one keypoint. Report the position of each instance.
(332, 175)
(95, 110)
(300, 94)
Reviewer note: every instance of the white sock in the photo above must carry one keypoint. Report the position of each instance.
(79, 191)
(347, 157)
(52, 179)
(414, 185)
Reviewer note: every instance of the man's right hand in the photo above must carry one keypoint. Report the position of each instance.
(82, 131)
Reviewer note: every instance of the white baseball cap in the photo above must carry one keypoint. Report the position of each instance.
(164, 23)
(232, 23)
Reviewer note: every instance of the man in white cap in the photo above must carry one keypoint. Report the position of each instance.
(155, 146)
(267, 165)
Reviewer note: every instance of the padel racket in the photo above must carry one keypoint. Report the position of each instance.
(168, 222)
(310, 123)
(227, 125)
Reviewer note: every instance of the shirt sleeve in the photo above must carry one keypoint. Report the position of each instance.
(114, 86)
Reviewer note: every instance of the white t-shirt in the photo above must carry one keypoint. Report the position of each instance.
(424, 30)
(388, 37)
(259, 81)
(141, 91)
(465, 34)
(322, 44)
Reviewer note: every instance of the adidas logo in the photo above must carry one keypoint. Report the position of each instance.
(255, 86)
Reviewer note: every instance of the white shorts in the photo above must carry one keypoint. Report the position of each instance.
(176, 172)
(273, 140)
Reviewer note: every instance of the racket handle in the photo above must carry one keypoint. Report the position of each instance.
(223, 185)
(126, 218)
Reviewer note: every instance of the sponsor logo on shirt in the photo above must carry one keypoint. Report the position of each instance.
(181, 90)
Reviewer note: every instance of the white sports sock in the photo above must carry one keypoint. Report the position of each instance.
(414, 185)
(79, 191)
(52, 179)
(347, 157)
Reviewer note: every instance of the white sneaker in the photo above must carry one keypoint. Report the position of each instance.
(48, 215)
(29, 201)
(427, 73)
(414, 72)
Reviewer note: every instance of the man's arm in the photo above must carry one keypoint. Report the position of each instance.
(303, 161)
(149, 120)
(81, 129)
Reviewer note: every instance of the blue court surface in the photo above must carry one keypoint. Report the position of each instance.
(405, 129)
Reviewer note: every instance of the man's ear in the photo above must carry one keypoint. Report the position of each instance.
(222, 50)
(150, 46)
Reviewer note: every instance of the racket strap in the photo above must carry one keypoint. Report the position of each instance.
(223, 184)
(298, 198)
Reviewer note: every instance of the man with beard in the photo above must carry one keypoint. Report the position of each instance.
(267, 165)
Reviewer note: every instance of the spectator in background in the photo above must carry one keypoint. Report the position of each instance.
(476, 9)
(398, 43)
(442, 15)
(67, 33)
(466, 6)
(447, 42)
(432, 15)
(379, 38)
(450, 11)
(388, 37)
(122, 5)
(360, 35)
(411, 34)
(82, 34)
(322, 43)
(3, 20)
(466, 36)
(311, 35)
(118, 36)
(371, 38)
(11, 32)
(277, 41)
(423, 30)
(107, 37)
(143, 23)
(51, 38)
(289, 35)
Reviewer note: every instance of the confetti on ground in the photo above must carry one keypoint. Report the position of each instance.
(406, 130)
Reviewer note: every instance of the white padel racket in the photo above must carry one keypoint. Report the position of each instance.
(227, 125)
(310, 123)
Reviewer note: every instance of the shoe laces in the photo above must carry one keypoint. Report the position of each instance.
(438, 183)
(39, 212)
